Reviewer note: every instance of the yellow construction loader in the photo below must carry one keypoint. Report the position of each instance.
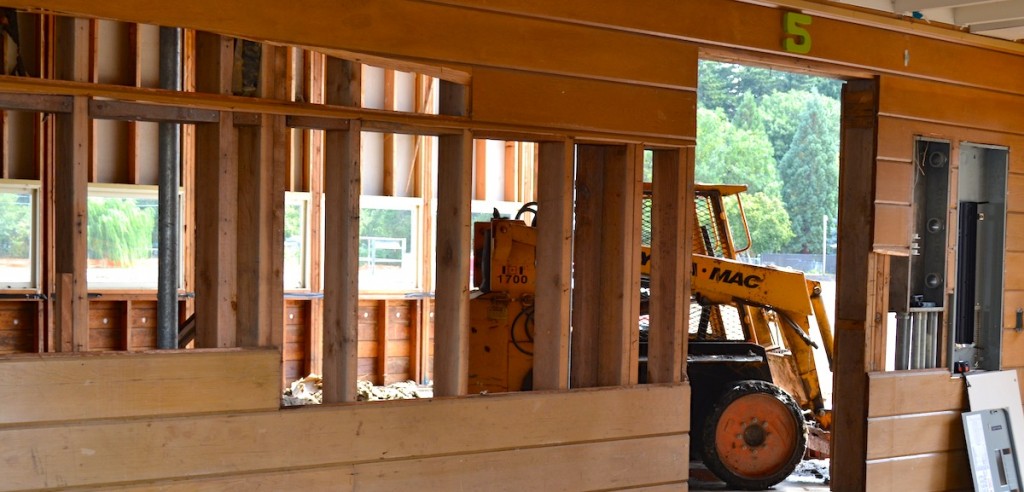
(756, 403)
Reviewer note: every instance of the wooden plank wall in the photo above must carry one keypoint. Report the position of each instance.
(240, 438)
(915, 437)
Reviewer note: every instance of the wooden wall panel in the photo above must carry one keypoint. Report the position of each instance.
(921, 473)
(934, 391)
(895, 180)
(892, 227)
(550, 430)
(617, 464)
(142, 323)
(947, 103)
(17, 326)
(107, 323)
(119, 385)
(576, 103)
(295, 352)
(905, 435)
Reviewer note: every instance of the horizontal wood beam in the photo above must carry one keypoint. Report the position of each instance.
(34, 102)
(373, 119)
(136, 384)
(135, 111)
(316, 123)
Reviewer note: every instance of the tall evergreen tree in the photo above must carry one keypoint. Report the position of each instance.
(810, 175)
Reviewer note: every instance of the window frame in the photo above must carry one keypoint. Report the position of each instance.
(32, 187)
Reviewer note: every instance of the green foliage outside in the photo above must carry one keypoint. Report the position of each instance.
(121, 229)
(778, 133)
(15, 225)
(378, 222)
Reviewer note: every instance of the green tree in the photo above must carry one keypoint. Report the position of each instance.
(726, 154)
(770, 228)
(782, 116)
(15, 225)
(810, 172)
(120, 231)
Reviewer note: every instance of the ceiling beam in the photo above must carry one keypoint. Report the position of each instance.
(913, 5)
(989, 12)
(995, 26)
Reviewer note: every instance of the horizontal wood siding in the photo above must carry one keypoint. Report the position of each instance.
(579, 439)
(39, 388)
(295, 353)
(571, 102)
(915, 435)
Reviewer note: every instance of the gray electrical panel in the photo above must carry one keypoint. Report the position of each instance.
(989, 445)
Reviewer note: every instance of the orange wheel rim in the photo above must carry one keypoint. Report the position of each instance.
(756, 435)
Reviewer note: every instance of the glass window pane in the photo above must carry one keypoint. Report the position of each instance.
(16, 250)
(387, 248)
(122, 241)
(295, 233)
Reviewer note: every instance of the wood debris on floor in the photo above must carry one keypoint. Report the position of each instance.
(309, 391)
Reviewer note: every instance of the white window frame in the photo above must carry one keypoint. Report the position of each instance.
(32, 187)
(106, 190)
(305, 199)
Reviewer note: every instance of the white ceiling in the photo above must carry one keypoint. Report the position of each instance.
(996, 18)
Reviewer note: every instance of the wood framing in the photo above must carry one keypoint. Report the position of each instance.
(554, 266)
(341, 219)
(606, 334)
(854, 269)
(216, 203)
(671, 247)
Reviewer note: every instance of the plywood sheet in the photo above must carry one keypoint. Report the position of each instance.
(139, 384)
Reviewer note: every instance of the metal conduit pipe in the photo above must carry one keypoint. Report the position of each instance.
(169, 180)
(931, 329)
(917, 341)
(902, 341)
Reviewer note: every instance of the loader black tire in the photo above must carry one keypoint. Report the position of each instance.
(754, 436)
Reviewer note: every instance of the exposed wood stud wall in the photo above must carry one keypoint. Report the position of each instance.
(341, 261)
(554, 266)
(73, 149)
(454, 192)
(607, 283)
(671, 223)
(217, 198)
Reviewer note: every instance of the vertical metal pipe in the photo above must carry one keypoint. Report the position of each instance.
(917, 337)
(902, 341)
(169, 181)
(931, 339)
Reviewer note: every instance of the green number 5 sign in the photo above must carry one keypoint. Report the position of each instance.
(798, 38)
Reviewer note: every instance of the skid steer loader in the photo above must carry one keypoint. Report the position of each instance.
(755, 392)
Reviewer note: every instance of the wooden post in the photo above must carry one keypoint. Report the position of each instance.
(312, 162)
(554, 239)
(423, 186)
(587, 265)
(671, 246)
(606, 333)
(71, 176)
(216, 202)
(454, 192)
(855, 264)
(261, 169)
(341, 224)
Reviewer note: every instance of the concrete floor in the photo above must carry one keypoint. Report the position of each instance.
(810, 475)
